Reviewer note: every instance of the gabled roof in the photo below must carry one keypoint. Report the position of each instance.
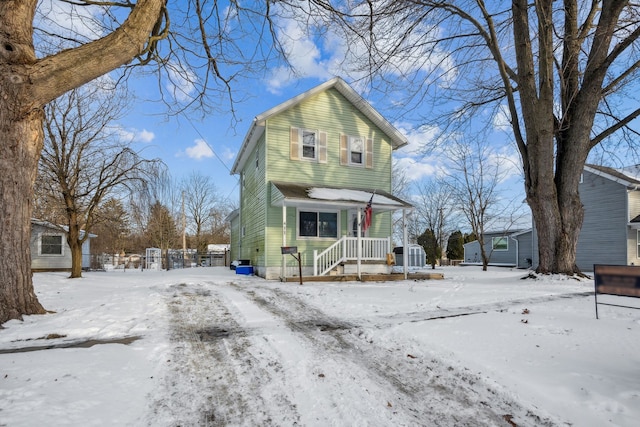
(257, 126)
(52, 226)
(629, 176)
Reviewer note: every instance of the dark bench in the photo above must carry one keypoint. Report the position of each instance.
(619, 280)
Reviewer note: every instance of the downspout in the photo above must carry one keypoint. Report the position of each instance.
(517, 251)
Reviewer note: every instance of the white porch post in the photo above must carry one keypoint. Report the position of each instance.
(284, 240)
(405, 243)
(359, 243)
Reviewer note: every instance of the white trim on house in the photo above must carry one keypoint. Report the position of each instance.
(258, 124)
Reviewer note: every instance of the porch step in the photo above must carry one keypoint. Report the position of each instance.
(367, 277)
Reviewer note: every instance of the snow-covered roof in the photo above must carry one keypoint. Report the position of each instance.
(218, 247)
(294, 194)
(53, 226)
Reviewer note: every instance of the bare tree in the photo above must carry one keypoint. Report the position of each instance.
(161, 230)
(201, 198)
(112, 227)
(435, 210)
(202, 57)
(220, 231)
(84, 159)
(400, 187)
(474, 182)
(562, 74)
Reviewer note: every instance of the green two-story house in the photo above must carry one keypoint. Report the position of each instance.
(308, 169)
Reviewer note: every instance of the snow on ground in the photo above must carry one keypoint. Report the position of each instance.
(204, 346)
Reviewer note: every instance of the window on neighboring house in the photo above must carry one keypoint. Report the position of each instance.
(51, 244)
(257, 159)
(309, 141)
(500, 243)
(244, 231)
(356, 150)
(638, 242)
(318, 224)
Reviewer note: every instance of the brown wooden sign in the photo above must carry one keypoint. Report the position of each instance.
(289, 250)
(619, 280)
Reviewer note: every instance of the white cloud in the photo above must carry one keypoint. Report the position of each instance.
(68, 20)
(135, 135)
(144, 136)
(332, 54)
(200, 150)
(421, 139)
(304, 56)
(181, 83)
(229, 154)
(415, 170)
(502, 119)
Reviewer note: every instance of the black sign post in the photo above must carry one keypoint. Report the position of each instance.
(293, 251)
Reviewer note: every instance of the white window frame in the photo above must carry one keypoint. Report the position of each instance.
(316, 136)
(499, 239)
(62, 244)
(638, 244)
(317, 212)
(351, 140)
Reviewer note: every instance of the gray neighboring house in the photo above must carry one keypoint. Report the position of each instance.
(49, 248)
(610, 231)
(611, 226)
(505, 248)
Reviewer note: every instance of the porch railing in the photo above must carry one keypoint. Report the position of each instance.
(346, 249)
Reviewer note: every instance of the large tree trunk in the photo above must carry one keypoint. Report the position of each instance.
(20, 146)
(75, 243)
(21, 138)
(26, 85)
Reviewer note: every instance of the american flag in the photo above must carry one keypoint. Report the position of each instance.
(368, 212)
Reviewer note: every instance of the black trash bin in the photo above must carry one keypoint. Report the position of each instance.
(398, 252)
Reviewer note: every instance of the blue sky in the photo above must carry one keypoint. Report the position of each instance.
(188, 142)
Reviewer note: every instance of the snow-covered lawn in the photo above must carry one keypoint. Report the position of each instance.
(204, 346)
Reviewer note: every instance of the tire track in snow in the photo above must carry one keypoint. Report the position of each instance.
(427, 392)
(209, 379)
(381, 321)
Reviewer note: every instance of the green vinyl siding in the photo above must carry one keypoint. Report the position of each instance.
(327, 112)
(254, 204)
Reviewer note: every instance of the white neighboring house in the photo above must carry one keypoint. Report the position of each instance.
(49, 248)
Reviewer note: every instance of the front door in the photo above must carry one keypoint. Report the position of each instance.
(353, 223)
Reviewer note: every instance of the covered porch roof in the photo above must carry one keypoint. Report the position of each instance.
(322, 196)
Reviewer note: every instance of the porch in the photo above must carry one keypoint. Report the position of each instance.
(391, 277)
(335, 217)
(354, 250)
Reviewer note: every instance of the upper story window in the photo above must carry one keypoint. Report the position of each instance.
(51, 244)
(317, 224)
(309, 140)
(500, 243)
(308, 145)
(356, 150)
